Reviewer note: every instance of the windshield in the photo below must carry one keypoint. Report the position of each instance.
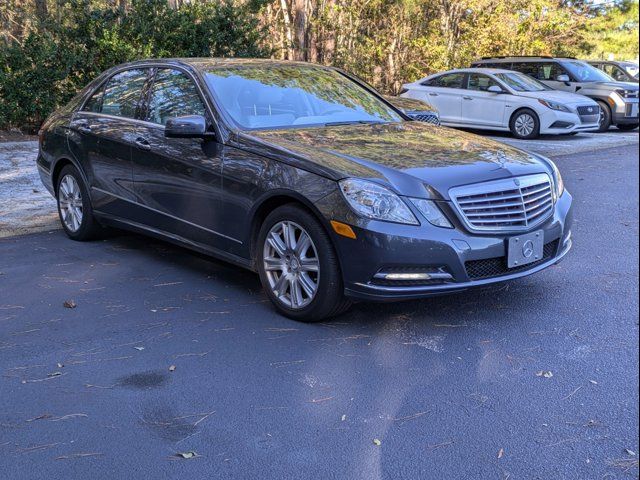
(289, 96)
(521, 82)
(583, 72)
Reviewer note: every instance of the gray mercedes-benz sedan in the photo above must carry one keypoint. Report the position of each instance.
(303, 174)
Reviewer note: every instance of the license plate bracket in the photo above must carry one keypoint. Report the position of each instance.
(525, 249)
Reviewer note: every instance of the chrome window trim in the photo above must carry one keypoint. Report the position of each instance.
(497, 186)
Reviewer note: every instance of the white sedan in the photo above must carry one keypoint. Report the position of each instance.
(495, 99)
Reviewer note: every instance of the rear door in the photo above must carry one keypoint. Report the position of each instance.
(445, 93)
(103, 132)
(481, 107)
(178, 180)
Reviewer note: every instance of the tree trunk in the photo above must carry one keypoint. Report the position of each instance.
(300, 29)
(288, 32)
(41, 9)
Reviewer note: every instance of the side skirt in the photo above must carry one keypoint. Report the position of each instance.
(124, 224)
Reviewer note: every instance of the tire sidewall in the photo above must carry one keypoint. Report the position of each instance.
(330, 289)
(512, 124)
(606, 124)
(87, 225)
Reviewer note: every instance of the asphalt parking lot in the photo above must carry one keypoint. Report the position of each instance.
(166, 352)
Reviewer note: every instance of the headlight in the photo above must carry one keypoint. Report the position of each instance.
(557, 179)
(554, 105)
(375, 201)
(627, 93)
(431, 212)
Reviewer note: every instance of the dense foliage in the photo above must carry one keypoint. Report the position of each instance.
(50, 48)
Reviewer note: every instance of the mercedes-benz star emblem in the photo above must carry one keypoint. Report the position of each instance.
(527, 249)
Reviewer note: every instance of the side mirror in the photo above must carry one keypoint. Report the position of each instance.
(495, 89)
(563, 78)
(189, 126)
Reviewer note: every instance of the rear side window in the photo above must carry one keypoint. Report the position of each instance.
(173, 94)
(550, 71)
(450, 80)
(528, 68)
(94, 104)
(122, 93)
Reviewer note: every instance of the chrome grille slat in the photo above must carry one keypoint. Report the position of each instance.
(513, 204)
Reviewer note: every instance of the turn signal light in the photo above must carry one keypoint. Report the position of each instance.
(343, 229)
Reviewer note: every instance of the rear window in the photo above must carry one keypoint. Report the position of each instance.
(120, 96)
(449, 80)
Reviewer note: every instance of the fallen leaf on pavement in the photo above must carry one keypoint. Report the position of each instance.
(187, 455)
(377, 442)
(172, 368)
(593, 382)
(139, 348)
(630, 452)
(344, 417)
(545, 374)
(69, 304)
(54, 374)
(59, 365)
(501, 453)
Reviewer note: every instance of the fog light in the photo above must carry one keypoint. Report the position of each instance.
(407, 276)
(413, 276)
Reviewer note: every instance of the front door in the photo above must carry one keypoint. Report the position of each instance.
(481, 107)
(178, 180)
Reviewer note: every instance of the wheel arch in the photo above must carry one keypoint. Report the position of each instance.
(57, 167)
(520, 109)
(270, 202)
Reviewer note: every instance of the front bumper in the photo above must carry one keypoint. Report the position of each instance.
(555, 122)
(624, 111)
(389, 247)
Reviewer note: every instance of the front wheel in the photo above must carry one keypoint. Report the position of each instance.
(627, 127)
(525, 124)
(298, 266)
(605, 117)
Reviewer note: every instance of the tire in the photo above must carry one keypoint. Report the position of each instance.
(605, 117)
(287, 273)
(627, 127)
(525, 124)
(74, 206)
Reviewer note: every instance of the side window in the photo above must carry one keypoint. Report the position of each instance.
(450, 80)
(550, 71)
(122, 93)
(173, 94)
(94, 104)
(480, 82)
(617, 73)
(528, 68)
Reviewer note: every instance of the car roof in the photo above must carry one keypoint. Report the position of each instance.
(205, 63)
(524, 58)
(492, 71)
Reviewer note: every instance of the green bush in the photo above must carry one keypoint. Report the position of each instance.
(60, 57)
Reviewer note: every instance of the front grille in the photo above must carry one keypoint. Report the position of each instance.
(589, 113)
(513, 204)
(426, 117)
(497, 267)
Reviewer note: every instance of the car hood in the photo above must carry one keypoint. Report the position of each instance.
(612, 85)
(414, 158)
(566, 98)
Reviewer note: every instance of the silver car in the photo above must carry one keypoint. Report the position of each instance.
(618, 100)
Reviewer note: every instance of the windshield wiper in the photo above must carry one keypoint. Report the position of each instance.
(353, 122)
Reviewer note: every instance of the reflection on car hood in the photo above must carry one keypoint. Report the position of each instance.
(566, 98)
(612, 85)
(407, 104)
(412, 157)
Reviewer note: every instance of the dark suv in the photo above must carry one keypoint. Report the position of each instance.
(618, 100)
(305, 175)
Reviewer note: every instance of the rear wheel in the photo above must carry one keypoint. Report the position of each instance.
(74, 205)
(605, 117)
(525, 124)
(298, 266)
(627, 127)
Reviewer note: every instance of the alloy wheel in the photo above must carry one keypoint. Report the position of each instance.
(525, 124)
(70, 200)
(291, 264)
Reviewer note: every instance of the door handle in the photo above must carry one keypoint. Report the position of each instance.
(467, 97)
(433, 94)
(143, 143)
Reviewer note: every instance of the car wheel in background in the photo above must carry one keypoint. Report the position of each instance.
(605, 116)
(627, 127)
(298, 266)
(525, 124)
(74, 205)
